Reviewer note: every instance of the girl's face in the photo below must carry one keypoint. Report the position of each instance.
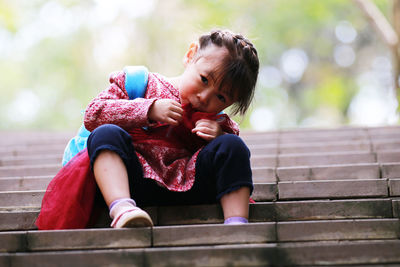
(197, 84)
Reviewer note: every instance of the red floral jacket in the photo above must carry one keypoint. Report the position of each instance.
(168, 154)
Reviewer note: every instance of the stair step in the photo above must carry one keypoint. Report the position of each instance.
(30, 170)
(334, 189)
(383, 137)
(323, 230)
(32, 150)
(31, 198)
(75, 239)
(337, 146)
(263, 161)
(285, 254)
(264, 174)
(396, 207)
(372, 131)
(257, 149)
(260, 174)
(137, 237)
(257, 160)
(319, 172)
(31, 160)
(386, 156)
(328, 189)
(391, 170)
(260, 147)
(18, 219)
(211, 234)
(312, 159)
(259, 212)
(329, 172)
(331, 137)
(313, 135)
(377, 131)
(386, 144)
(24, 183)
(316, 159)
(31, 138)
(322, 210)
(394, 187)
(264, 149)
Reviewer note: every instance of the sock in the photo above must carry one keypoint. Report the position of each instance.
(115, 203)
(236, 220)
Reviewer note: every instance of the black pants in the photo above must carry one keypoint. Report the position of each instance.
(222, 166)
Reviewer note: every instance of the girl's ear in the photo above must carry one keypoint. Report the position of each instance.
(190, 53)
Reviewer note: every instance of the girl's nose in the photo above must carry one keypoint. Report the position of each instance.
(204, 96)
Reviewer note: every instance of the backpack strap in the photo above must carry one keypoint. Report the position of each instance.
(76, 144)
(136, 78)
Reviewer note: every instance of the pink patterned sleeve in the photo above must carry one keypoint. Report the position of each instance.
(228, 125)
(113, 106)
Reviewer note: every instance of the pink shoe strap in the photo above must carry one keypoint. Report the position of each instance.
(114, 222)
(115, 202)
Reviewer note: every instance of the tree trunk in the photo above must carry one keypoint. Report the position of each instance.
(389, 33)
(395, 49)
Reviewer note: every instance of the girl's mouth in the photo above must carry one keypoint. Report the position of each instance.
(195, 104)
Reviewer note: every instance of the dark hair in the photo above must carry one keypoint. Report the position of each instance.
(238, 72)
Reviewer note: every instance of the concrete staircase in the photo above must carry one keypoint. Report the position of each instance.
(324, 197)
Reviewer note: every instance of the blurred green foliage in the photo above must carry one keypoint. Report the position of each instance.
(62, 52)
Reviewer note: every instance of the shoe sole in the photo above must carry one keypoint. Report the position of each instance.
(134, 219)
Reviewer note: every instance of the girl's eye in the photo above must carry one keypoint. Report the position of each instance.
(221, 98)
(204, 79)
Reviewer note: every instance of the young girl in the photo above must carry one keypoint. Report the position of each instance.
(173, 146)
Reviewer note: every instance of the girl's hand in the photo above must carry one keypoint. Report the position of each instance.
(207, 129)
(166, 111)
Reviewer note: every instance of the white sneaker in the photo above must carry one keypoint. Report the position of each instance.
(126, 215)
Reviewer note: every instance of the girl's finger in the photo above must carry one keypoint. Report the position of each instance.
(177, 108)
(172, 121)
(206, 137)
(202, 121)
(205, 131)
(200, 128)
(175, 115)
(203, 124)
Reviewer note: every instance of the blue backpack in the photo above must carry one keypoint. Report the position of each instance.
(136, 78)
